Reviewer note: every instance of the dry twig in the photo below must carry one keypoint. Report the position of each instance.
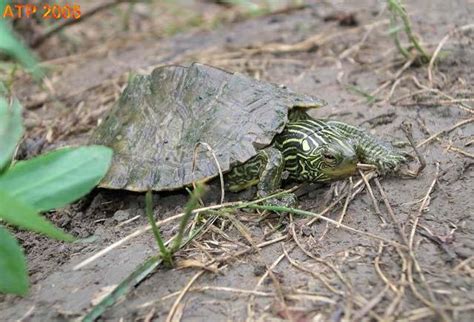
(408, 130)
(68, 22)
(346, 203)
(370, 305)
(445, 131)
(461, 105)
(216, 161)
(357, 187)
(440, 45)
(423, 205)
(250, 310)
(371, 194)
(378, 269)
(183, 292)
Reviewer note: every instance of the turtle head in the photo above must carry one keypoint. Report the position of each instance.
(338, 159)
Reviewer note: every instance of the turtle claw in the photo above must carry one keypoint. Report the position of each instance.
(407, 173)
(390, 165)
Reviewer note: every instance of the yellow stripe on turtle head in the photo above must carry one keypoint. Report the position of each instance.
(305, 146)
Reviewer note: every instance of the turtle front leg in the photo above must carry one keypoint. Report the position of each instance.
(270, 179)
(371, 151)
(270, 172)
(264, 170)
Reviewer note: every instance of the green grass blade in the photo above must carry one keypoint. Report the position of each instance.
(356, 90)
(164, 252)
(136, 277)
(11, 129)
(57, 178)
(394, 29)
(196, 195)
(13, 272)
(18, 213)
(10, 45)
(126, 285)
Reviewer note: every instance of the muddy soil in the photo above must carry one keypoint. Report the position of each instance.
(342, 53)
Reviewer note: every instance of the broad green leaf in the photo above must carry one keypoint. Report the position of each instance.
(11, 129)
(18, 213)
(57, 178)
(13, 273)
(3, 5)
(10, 45)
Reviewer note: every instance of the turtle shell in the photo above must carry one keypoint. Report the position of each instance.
(160, 118)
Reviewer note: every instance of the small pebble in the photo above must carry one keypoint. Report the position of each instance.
(121, 215)
(259, 270)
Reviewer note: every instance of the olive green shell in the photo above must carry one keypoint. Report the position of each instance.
(160, 118)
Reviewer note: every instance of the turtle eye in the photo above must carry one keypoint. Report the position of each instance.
(329, 158)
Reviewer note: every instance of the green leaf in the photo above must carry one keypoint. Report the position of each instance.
(13, 47)
(395, 29)
(11, 129)
(18, 213)
(13, 273)
(3, 89)
(57, 178)
(3, 5)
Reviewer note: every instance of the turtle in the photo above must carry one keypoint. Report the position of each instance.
(259, 133)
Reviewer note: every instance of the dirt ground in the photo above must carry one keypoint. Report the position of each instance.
(341, 52)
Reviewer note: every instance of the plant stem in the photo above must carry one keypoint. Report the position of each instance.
(134, 278)
(409, 32)
(164, 252)
(124, 287)
(188, 211)
(399, 11)
(396, 39)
